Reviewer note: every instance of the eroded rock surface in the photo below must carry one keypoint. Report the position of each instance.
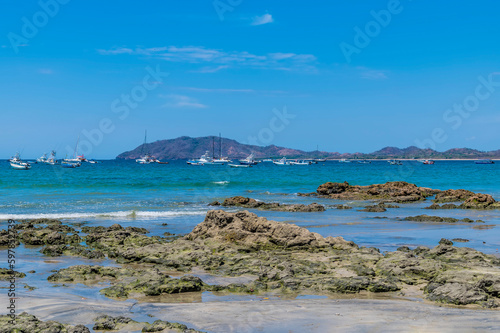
(286, 258)
(401, 192)
(245, 202)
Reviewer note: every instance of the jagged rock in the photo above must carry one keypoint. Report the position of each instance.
(244, 202)
(248, 229)
(445, 206)
(453, 196)
(427, 218)
(479, 201)
(392, 191)
(28, 323)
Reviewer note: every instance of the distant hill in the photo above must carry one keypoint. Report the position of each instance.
(185, 147)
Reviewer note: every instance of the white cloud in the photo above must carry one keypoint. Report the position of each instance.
(264, 19)
(372, 74)
(182, 101)
(221, 59)
(211, 69)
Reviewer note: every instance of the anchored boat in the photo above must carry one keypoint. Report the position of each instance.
(17, 163)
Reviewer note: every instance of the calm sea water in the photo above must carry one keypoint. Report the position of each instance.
(178, 194)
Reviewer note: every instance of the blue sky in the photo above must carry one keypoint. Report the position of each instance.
(230, 63)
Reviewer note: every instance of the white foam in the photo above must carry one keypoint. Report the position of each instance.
(119, 214)
(224, 182)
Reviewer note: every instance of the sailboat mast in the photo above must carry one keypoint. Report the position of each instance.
(213, 147)
(76, 147)
(220, 147)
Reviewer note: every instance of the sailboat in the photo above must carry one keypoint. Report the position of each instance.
(77, 159)
(17, 163)
(146, 158)
(220, 160)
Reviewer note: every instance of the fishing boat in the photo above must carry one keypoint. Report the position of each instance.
(204, 159)
(300, 162)
(484, 162)
(240, 165)
(343, 160)
(249, 160)
(283, 161)
(18, 164)
(52, 160)
(42, 159)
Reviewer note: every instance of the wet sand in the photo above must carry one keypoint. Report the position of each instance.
(301, 315)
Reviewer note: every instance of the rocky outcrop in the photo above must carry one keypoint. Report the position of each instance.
(248, 229)
(379, 208)
(427, 218)
(391, 191)
(282, 258)
(469, 199)
(146, 281)
(28, 323)
(244, 202)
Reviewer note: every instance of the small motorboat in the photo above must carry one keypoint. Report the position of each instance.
(429, 162)
(320, 160)
(92, 161)
(395, 162)
(300, 163)
(70, 165)
(160, 162)
(249, 160)
(283, 161)
(240, 165)
(42, 159)
(363, 162)
(484, 162)
(18, 164)
(343, 160)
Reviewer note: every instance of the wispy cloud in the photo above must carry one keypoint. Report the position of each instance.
(45, 71)
(182, 101)
(220, 90)
(372, 74)
(264, 19)
(221, 59)
(211, 69)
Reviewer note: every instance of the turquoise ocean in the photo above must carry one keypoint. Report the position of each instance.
(116, 191)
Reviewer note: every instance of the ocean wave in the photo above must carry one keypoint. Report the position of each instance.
(224, 182)
(132, 214)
